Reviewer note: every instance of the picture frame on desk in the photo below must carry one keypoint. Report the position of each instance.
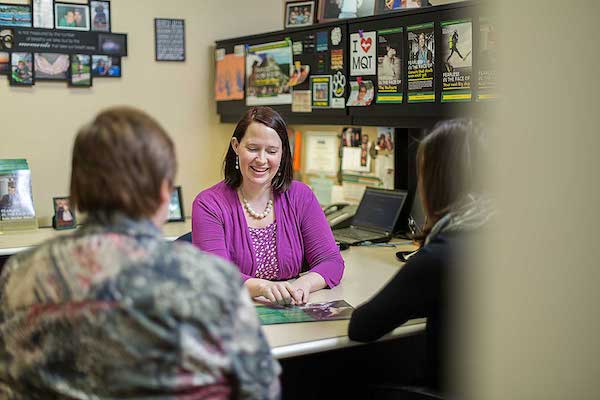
(64, 215)
(299, 13)
(176, 213)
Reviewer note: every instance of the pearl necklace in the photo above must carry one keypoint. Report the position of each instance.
(253, 213)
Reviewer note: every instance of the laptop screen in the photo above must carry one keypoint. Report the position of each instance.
(379, 209)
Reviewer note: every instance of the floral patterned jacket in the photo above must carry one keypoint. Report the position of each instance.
(113, 311)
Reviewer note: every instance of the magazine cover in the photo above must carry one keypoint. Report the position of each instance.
(270, 314)
(456, 52)
(16, 202)
(421, 63)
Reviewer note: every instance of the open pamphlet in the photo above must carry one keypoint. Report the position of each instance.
(270, 313)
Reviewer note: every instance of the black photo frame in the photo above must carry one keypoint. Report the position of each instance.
(41, 75)
(160, 27)
(64, 216)
(25, 7)
(176, 213)
(33, 7)
(66, 25)
(16, 78)
(96, 23)
(290, 5)
(80, 61)
(111, 66)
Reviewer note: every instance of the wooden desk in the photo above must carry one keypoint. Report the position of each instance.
(14, 242)
(368, 269)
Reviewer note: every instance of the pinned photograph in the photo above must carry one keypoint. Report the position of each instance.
(299, 74)
(72, 16)
(4, 63)
(361, 94)
(351, 136)
(106, 66)
(100, 16)
(81, 70)
(64, 215)
(299, 13)
(15, 15)
(51, 66)
(21, 69)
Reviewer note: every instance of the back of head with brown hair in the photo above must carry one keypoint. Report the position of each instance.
(119, 163)
(447, 163)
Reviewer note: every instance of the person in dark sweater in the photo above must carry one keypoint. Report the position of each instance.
(456, 209)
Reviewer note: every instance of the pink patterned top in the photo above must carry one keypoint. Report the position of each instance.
(264, 241)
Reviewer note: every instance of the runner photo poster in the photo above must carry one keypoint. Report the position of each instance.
(268, 69)
(457, 56)
(389, 65)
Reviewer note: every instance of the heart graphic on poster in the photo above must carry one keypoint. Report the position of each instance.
(366, 44)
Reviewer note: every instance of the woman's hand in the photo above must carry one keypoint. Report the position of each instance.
(277, 292)
(308, 283)
(303, 288)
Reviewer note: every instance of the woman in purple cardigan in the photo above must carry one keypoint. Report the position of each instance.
(270, 226)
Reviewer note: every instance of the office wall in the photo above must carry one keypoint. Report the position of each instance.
(40, 123)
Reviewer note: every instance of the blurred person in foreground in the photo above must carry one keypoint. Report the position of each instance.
(113, 311)
(456, 208)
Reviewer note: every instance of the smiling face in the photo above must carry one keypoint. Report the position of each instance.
(259, 153)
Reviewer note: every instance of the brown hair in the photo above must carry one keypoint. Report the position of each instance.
(270, 118)
(119, 163)
(447, 161)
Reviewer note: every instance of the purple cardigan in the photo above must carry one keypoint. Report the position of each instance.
(303, 235)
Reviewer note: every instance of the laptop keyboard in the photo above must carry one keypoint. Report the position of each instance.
(356, 234)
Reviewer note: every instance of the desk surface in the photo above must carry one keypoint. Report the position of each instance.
(16, 241)
(368, 269)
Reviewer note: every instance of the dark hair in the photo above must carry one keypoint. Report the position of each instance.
(119, 163)
(270, 118)
(447, 163)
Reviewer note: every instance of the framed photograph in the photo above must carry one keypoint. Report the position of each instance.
(51, 66)
(6, 38)
(43, 13)
(72, 16)
(106, 66)
(4, 63)
(81, 70)
(64, 215)
(331, 10)
(176, 206)
(299, 13)
(21, 67)
(15, 15)
(112, 43)
(100, 11)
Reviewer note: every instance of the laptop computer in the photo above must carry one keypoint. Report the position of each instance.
(375, 218)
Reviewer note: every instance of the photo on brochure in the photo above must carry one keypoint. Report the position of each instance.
(271, 313)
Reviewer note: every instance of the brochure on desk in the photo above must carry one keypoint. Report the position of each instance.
(16, 202)
(271, 314)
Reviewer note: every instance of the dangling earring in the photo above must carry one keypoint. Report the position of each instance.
(237, 162)
(278, 173)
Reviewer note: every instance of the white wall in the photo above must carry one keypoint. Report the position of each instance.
(40, 123)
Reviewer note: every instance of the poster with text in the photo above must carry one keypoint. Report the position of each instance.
(321, 91)
(362, 53)
(487, 60)
(268, 68)
(229, 78)
(389, 65)
(420, 63)
(457, 51)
